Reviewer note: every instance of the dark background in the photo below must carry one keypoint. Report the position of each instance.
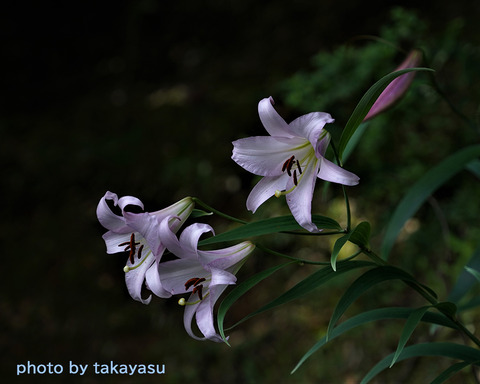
(144, 98)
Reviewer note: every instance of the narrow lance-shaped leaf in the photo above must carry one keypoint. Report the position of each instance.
(450, 371)
(366, 103)
(239, 291)
(269, 226)
(451, 350)
(310, 283)
(465, 280)
(410, 325)
(362, 284)
(474, 272)
(361, 235)
(375, 315)
(337, 247)
(422, 189)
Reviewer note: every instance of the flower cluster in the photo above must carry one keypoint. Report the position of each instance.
(290, 160)
(145, 237)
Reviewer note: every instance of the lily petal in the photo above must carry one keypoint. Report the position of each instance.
(135, 277)
(204, 315)
(271, 120)
(107, 218)
(264, 155)
(154, 283)
(175, 273)
(300, 200)
(332, 172)
(265, 189)
(191, 234)
(311, 126)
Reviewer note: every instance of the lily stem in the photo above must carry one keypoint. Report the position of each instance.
(217, 212)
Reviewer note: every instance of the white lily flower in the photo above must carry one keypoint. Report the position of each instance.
(290, 161)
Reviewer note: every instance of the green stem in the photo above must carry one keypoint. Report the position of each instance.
(442, 94)
(347, 206)
(301, 261)
(217, 212)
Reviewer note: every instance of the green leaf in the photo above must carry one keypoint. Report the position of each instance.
(474, 167)
(375, 315)
(474, 272)
(363, 283)
(354, 140)
(337, 247)
(466, 280)
(410, 325)
(450, 371)
(240, 290)
(269, 226)
(310, 283)
(422, 189)
(447, 308)
(361, 235)
(366, 103)
(451, 350)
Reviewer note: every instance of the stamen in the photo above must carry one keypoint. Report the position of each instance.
(130, 245)
(193, 281)
(198, 289)
(295, 177)
(190, 282)
(299, 168)
(140, 251)
(285, 165)
(289, 166)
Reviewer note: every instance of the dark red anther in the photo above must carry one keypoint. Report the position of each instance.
(299, 168)
(198, 289)
(129, 244)
(140, 251)
(190, 282)
(295, 177)
(193, 281)
(288, 165)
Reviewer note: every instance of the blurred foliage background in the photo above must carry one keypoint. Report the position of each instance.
(144, 98)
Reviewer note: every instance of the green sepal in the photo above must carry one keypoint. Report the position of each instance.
(199, 213)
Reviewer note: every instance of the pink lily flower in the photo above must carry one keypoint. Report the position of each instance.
(137, 234)
(204, 274)
(397, 88)
(290, 161)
